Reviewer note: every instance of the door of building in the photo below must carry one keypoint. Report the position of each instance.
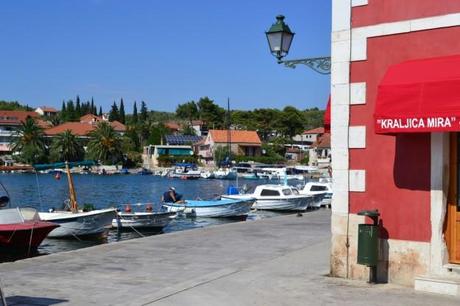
(452, 225)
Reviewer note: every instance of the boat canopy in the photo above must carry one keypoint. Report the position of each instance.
(85, 163)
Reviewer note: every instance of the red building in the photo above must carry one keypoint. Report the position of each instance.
(395, 113)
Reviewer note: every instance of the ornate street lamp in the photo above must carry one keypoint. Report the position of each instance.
(280, 37)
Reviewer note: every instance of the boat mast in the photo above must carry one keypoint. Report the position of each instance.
(72, 195)
(229, 133)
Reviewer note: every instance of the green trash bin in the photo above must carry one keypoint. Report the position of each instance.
(368, 244)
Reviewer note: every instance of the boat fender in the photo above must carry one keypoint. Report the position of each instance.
(128, 208)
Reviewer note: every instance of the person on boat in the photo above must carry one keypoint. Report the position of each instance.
(171, 196)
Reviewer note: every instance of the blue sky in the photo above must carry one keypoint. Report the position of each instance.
(162, 52)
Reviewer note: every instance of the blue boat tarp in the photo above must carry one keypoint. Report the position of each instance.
(187, 165)
(207, 203)
(85, 163)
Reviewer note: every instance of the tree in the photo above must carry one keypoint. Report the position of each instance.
(78, 112)
(100, 111)
(189, 130)
(105, 144)
(63, 112)
(291, 121)
(134, 118)
(211, 113)
(93, 107)
(220, 155)
(29, 142)
(188, 111)
(144, 111)
(114, 113)
(70, 114)
(122, 112)
(66, 147)
(263, 119)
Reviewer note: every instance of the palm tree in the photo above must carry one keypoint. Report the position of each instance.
(105, 144)
(66, 147)
(29, 142)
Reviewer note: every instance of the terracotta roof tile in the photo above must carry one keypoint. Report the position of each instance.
(323, 141)
(236, 136)
(172, 125)
(15, 117)
(90, 118)
(77, 128)
(319, 130)
(118, 126)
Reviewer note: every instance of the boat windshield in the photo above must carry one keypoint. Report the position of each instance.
(287, 191)
(18, 215)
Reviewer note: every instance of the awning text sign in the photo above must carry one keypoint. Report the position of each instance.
(414, 124)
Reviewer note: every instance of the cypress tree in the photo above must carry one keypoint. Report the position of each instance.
(143, 116)
(114, 113)
(78, 108)
(134, 119)
(122, 112)
(100, 111)
(93, 107)
(63, 112)
(71, 115)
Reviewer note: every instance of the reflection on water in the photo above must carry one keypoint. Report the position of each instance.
(43, 192)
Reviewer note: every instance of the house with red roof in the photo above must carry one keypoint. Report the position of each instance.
(246, 143)
(46, 111)
(10, 121)
(308, 137)
(87, 124)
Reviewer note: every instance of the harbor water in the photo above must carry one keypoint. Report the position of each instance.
(44, 192)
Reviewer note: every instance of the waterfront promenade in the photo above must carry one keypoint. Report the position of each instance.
(277, 261)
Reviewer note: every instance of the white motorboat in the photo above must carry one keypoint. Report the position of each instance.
(148, 218)
(321, 191)
(225, 174)
(276, 197)
(222, 208)
(185, 171)
(81, 223)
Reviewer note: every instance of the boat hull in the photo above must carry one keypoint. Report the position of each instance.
(227, 209)
(295, 203)
(92, 223)
(24, 236)
(142, 220)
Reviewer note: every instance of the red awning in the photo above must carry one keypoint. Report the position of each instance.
(420, 96)
(327, 117)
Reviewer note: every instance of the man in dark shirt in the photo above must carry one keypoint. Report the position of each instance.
(171, 196)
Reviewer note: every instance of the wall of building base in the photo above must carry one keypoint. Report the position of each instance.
(400, 261)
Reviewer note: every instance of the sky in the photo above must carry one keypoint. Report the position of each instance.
(163, 52)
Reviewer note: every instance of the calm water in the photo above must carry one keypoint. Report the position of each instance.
(43, 192)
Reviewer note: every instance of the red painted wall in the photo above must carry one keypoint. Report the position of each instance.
(397, 167)
(381, 11)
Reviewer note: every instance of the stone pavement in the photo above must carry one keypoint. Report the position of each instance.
(278, 261)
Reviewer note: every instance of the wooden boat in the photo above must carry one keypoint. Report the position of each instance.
(21, 229)
(276, 197)
(220, 208)
(76, 222)
(129, 218)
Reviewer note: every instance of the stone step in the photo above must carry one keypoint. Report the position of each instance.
(449, 285)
